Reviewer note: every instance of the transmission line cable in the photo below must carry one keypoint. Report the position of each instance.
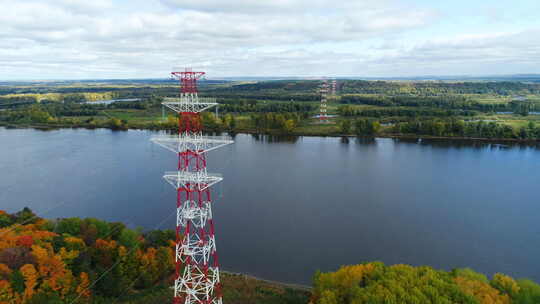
(118, 262)
(31, 219)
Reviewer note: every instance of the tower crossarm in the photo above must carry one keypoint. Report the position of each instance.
(188, 80)
(197, 267)
(189, 103)
(194, 142)
(194, 181)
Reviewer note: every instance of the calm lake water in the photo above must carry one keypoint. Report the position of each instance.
(288, 208)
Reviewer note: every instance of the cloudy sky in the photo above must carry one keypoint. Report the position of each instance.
(82, 39)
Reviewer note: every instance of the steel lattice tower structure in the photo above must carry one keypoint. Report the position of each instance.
(323, 90)
(197, 270)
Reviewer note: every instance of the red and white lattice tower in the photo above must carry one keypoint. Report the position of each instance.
(197, 270)
(323, 90)
(334, 87)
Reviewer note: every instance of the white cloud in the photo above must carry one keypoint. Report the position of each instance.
(102, 39)
(283, 7)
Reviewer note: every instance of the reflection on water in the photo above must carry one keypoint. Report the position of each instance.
(344, 140)
(478, 144)
(366, 140)
(467, 143)
(275, 138)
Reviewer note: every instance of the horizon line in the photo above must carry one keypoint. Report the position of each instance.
(278, 77)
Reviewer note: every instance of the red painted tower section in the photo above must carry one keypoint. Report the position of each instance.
(188, 80)
(189, 123)
(197, 270)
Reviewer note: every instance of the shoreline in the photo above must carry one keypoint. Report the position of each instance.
(272, 282)
(531, 142)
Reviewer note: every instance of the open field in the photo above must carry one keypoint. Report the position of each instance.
(237, 289)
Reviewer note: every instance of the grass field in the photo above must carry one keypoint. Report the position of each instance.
(488, 98)
(141, 116)
(237, 289)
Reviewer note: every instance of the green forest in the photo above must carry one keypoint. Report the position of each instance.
(404, 284)
(487, 110)
(75, 260)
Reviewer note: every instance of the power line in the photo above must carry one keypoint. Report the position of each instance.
(118, 262)
(31, 219)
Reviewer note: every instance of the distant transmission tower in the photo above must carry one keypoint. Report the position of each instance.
(334, 87)
(197, 270)
(323, 90)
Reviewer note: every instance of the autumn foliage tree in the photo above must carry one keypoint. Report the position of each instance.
(57, 261)
(404, 284)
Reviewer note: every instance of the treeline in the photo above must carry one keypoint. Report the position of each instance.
(297, 90)
(119, 92)
(82, 109)
(88, 95)
(110, 85)
(278, 90)
(277, 122)
(13, 102)
(276, 85)
(277, 118)
(393, 88)
(449, 127)
(243, 106)
(360, 127)
(72, 109)
(78, 261)
(524, 107)
(453, 102)
(54, 109)
(444, 102)
(274, 96)
(273, 122)
(347, 110)
(428, 88)
(377, 283)
(57, 97)
(42, 114)
(34, 113)
(459, 128)
(75, 107)
(420, 122)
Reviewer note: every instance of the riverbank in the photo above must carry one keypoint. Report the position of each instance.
(236, 289)
(244, 276)
(519, 141)
(105, 262)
